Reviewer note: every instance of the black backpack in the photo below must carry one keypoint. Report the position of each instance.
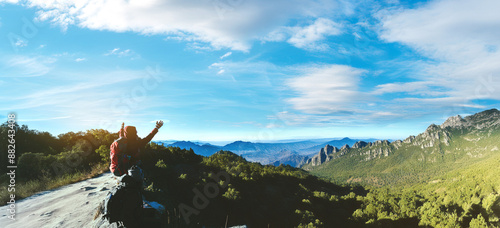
(123, 204)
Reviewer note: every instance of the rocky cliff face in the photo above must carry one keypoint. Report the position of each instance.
(329, 153)
(429, 140)
(369, 150)
(377, 149)
(454, 121)
(323, 155)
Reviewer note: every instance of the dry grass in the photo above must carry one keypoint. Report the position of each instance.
(32, 187)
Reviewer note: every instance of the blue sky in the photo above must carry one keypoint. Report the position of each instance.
(248, 70)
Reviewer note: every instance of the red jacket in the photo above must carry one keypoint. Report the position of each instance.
(123, 156)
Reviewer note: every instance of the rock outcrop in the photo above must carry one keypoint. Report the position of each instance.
(454, 122)
(360, 144)
(323, 156)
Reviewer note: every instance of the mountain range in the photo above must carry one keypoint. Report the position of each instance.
(456, 143)
(294, 153)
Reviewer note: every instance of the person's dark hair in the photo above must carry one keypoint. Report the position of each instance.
(130, 132)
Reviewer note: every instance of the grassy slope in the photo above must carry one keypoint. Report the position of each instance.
(453, 185)
(410, 164)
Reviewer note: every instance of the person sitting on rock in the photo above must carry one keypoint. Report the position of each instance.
(125, 150)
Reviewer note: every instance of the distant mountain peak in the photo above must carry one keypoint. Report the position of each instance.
(240, 142)
(479, 120)
(454, 121)
(488, 114)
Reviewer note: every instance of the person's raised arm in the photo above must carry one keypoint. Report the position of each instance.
(121, 133)
(148, 138)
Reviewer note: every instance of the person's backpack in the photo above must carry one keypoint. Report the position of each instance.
(123, 204)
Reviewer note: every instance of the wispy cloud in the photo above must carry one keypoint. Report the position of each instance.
(122, 53)
(55, 93)
(80, 59)
(43, 119)
(21, 42)
(226, 55)
(360, 118)
(26, 66)
(116, 51)
(421, 88)
(249, 71)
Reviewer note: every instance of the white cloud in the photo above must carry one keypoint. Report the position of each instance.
(9, 1)
(222, 24)
(441, 27)
(461, 38)
(122, 53)
(116, 51)
(21, 43)
(112, 52)
(327, 89)
(80, 59)
(306, 37)
(226, 55)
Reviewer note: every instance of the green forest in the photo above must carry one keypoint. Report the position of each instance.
(452, 182)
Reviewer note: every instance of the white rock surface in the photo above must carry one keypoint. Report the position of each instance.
(72, 205)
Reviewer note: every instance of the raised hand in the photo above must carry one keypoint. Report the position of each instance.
(122, 131)
(159, 124)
